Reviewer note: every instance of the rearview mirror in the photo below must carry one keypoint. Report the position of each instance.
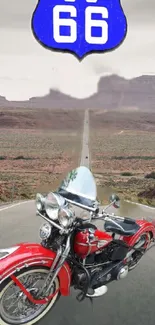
(115, 200)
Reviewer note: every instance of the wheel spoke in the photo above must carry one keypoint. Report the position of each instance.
(15, 307)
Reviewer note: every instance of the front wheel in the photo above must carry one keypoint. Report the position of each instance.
(15, 308)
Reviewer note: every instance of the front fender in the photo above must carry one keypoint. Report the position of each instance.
(145, 226)
(25, 255)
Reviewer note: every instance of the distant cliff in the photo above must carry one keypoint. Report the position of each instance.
(114, 92)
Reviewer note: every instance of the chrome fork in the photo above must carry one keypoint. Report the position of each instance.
(60, 259)
(59, 253)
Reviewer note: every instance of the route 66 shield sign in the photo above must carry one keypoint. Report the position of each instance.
(79, 26)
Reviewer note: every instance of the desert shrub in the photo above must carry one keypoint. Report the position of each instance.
(151, 175)
(133, 157)
(149, 194)
(126, 174)
(3, 158)
(23, 158)
(25, 195)
(18, 157)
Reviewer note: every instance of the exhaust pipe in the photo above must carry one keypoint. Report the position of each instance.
(139, 244)
(123, 272)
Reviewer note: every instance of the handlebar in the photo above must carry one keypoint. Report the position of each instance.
(107, 216)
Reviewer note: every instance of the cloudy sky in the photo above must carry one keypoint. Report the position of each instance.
(27, 69)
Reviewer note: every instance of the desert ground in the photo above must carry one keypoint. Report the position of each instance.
(123, 153)
(37, 147)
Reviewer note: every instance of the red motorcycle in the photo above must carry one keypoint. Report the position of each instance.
(73, 252)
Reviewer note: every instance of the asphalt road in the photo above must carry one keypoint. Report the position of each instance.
(85, 159)
(127, 302)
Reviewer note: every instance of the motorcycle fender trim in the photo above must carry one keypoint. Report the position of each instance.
(145, 227)
(29, 296)
(26, 255)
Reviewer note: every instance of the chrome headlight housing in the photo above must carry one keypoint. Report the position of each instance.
(52, 205)
(39, 202)
(45, 231)
(52, 213)
(65, 217)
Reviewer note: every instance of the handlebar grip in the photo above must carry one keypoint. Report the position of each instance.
(129, 221)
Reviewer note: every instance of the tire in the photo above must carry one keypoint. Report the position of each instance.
(42, 309)
(133, 266)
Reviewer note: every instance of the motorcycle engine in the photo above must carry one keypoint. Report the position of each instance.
(115, 251)
(103, 267)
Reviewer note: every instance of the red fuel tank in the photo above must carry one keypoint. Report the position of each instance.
(89, 240)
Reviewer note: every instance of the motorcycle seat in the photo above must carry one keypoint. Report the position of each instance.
(122, 228)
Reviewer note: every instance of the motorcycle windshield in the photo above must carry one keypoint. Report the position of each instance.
(79, 187)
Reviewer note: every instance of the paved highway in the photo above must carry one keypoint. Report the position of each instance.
(127, 302)
(85, 161)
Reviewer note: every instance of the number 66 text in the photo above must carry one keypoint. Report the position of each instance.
(71, 22)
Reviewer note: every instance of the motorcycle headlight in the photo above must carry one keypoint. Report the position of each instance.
(39, 202)
(52, 213)
(52, 206)
(45, 231)
(65, 217)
